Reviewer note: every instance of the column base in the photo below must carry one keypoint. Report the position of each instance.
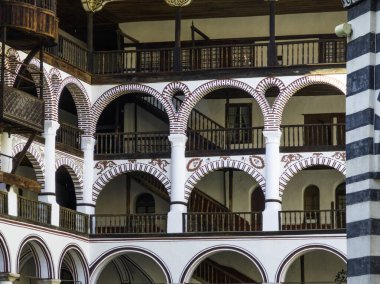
(175, 218)
(270, 215)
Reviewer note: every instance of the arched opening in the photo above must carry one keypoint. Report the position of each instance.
(225, 119)
(131, 268)
(340, 204)
(133, 125)
(258, 205)
(26, 169)
(308, 200)
(73, 267)
(215, 199)
(65, 190)
(315, 266)
(136, 201)
(314, 117)
(68, 132)
(224, 266)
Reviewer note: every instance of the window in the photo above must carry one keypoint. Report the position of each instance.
(145, 204)
(257, 205)
(239, 121)
(311, 198)
(340, 205)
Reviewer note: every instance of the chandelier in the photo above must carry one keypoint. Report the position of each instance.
(178, 3)
(95, 5)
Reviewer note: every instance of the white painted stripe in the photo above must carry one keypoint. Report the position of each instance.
(362, 211)
(356, 249)
(365, 279)
(362, 25)
(361, 185)
(360, 101)
(360, 165)
(359, 133)
(361, 62)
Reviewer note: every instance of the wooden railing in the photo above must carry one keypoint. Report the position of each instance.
(3, 202)
(34, 210)
(313, 135)
(132, 143)
(44, 4)
(225, 139)
(202, 222)
(128, 224)
(73, 220)
(69, 135)
(312, 220)
(70, 52)
(201, 202)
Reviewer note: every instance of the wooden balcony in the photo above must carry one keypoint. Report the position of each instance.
(240, 55)
(129, 224)
(21, 109)
(73, 221)
(207, 222)
(69, 135)
(33, 210)
(312, 220)
(37, 18)
(309, 137)
(3, 202)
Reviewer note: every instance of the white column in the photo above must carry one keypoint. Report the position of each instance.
(178, 204)
(6, 151)
(8, 278)
(87, 145)
(12, 201)
(272, 175)
(48, 193)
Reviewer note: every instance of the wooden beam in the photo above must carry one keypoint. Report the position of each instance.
(21, 156)
(20, 182)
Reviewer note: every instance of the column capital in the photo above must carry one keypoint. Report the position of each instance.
(177, 139)
(272, 136)
(7, 276)
(87, 143)
(50, 127)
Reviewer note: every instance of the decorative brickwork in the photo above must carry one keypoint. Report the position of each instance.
(36, 159)
(75, 174)
(55, 80)
(10, 63)
(82, 103)
(222, 164)
(192, 99)
(112, 94)
(268, 83)
(109, 175)
(315, 160)
(294, 87)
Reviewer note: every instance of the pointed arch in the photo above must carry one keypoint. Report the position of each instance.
(36, 247)
(190, 101)
(199, 257)
(75, 173)
(82, 102)
(106, 98)
(107, 176)
(302, 164)
(222, 164)
(76, 262)
(285, 95)
(35, 159)
(288, 260)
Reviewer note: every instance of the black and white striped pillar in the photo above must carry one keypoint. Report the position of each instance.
(363, 141)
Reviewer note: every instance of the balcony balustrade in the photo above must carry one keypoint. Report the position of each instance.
(312, 220)
(128, 224)
(34, 210)
(293, 52)
(3, 202)
(69, 135)
(206, 222)
(73, 221)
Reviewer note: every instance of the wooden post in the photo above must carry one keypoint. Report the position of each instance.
(41, 95)
(302, 268)
(90, 40)
(230, 188)
(177, 56)
(272, 51)
(3, 39)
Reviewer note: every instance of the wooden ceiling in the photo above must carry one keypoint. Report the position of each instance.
(144, 10)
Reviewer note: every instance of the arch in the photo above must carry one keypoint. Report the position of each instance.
(101, 262)
(340, 196)
(190, 101)
(112, 94)
(75, 173)
(267, 83)
(300, 165)
(55, 80)
(41, 254)
(288, 260)
(11, 63)
(222, 164)
(5, 259)
(36, 160)
(77, 263)
(284, 96)
(311, 198)
(107, 176)
(82, 103)
(198, 258)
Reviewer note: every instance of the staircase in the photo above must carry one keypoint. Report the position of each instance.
(199, 202)
(209, 271)
(203, 132)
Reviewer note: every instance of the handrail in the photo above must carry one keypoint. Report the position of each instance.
(44, 4)
(69, 135)
(3, 202)
(73, 220)
(128, 223)
(34, 210)
(332, 219)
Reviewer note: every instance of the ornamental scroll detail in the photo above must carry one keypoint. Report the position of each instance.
(95, 5)
(349, 3)
(178, 3)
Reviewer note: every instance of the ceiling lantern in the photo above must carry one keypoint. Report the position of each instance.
(95, 5)
(178, 3)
